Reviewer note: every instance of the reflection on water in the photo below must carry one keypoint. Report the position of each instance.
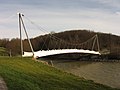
(107, 73)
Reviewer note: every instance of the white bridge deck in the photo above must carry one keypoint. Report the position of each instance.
(44, 53)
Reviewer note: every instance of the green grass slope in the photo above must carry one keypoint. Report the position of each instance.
(27, 74)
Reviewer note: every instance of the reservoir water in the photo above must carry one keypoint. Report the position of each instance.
(107, 73)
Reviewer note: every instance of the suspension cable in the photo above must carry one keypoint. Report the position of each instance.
(63, 41)
(43, 30)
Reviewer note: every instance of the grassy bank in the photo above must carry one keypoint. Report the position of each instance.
(26, 74)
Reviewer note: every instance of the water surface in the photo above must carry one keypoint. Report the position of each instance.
(107, 73)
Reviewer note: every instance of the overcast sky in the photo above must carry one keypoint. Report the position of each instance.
(59, 15)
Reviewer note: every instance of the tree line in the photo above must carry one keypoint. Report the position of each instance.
(109, 43)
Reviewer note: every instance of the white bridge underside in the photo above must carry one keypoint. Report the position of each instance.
(44, 53)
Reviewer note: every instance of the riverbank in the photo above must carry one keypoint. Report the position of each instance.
(107, 73)
(27, 74)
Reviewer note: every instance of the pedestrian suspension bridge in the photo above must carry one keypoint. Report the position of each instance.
(59, 46)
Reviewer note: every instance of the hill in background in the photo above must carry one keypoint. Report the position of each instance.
(108, 42)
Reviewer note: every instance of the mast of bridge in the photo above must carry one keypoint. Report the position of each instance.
(96, 41)
(21, 24)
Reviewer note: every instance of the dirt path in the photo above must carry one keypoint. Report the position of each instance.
(3, 84)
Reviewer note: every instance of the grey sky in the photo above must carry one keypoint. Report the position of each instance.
(60, 15)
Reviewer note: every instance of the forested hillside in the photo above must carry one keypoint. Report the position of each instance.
(108, 42)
